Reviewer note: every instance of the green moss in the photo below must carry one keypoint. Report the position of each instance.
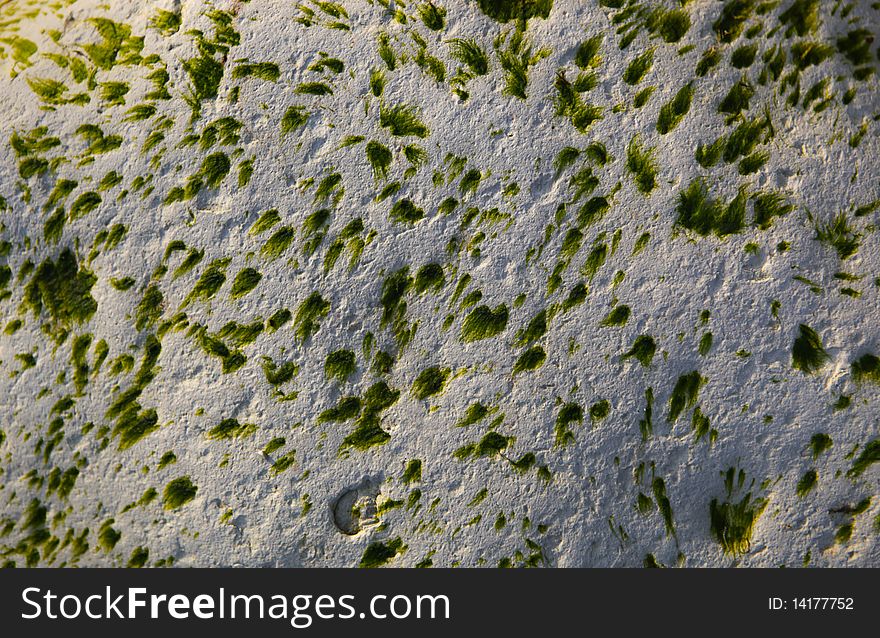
(704, 215)
(265, 221)
(245, 281)
(139, 557)
(732, 524)
(402, 120)
(838, 234)
(308, 316)
(802, 17)
(283, 463)
(640, 162)
(412, 473)
(107, 536)
(639, 67)
(150, 308)
(429, 382)
(278, 243)
(63, 289)
(866, 368)
(594, 260)
(568, 414)
(531, 359)
(587, 54)
(641, 98)
(404, 211)
(295, 117)
(807, 353)
(732, 19)
(84, 204)
(705, 344)
(535, 329)
(870, 455)
(231, 429)
(380, 553)
(807, 483)
(380, 159)
(211, 280)
(347, 408)
(167, 459)
(642, 350)
(600, 410)
(340, 365)
(178, 493)
(768, 206)
(267, 71)
(617, 317)
(684, 394)
(165, 22)
(471, 54)
(483, 323)
(673, 111)
(192, 259)
(743, 57)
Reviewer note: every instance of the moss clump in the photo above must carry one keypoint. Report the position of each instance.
(802, 17)
(642, 164)
(732, 524)
(178, 493)
(673, 111)
(379, 553)
(63, 289)
(379, 158)
(708, 61)
(768, 206)
(340, 365)
(484, 323)
(347, 408)
(405, 212)
(866, 368)
(807, 353)
(587, 55)
(870, 455)
(279, 374)
(732, 19)
(568, 414)
(429, 277)
(413, 472)
(402, 120)
(704, 215)
(278, 243)
(807, 483)
(838, 234)
(294, 117)
(432, 15)
(267, 71)
(617, 317)
(213, 277)
(368, 431)
(492, 444)
(531, 359)
(475, 413)
(430, 382)
(265, 221)
(600, 410)
(638, 67)
(507, 10)
(642, 350)
(231, 429)
(245, 281)
(684, 394)
(306, 322)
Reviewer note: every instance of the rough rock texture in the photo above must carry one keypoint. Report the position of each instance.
(487, 283)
